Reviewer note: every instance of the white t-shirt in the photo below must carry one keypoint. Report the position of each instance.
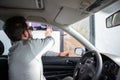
(25, 59)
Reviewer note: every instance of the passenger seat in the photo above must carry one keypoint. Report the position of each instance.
(3, 63)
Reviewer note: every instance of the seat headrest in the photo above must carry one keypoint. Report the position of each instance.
(1, 48)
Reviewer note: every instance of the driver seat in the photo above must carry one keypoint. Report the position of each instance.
(3, 63)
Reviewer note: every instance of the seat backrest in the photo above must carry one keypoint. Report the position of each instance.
(3, 68)
(1, 48)
(3, 63)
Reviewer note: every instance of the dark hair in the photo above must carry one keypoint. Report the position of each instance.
(14, 27)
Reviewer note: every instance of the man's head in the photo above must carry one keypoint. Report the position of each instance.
(17, 29)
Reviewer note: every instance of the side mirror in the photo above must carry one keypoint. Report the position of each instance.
(113, 20)
(79, 51)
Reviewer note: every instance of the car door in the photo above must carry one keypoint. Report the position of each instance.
(56, 68)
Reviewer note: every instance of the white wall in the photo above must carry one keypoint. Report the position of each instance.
(56, 35)
(107, 39)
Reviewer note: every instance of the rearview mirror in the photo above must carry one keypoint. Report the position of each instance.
(113, 20)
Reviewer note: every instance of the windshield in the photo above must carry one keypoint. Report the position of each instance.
(94, 29)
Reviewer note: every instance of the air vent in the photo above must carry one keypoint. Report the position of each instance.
(96, 4)
(99, 4)
(84, 4)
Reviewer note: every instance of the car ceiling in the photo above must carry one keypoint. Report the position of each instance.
(62, 12)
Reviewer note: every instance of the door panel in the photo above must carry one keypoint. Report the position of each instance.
(58, 67)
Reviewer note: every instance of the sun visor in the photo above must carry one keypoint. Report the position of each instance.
(69, 15)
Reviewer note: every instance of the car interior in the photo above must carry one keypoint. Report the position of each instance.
(61, 14)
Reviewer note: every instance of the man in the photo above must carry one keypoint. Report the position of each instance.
(24, 56)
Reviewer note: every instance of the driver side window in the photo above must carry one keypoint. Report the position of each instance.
(63, 41)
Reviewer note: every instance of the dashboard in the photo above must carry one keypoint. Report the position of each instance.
(110, 69)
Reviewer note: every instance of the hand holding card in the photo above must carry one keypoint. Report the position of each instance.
(48, 31)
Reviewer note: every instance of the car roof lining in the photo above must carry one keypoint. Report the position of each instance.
(72, 10)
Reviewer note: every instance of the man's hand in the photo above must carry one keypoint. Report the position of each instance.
(63, 54)
(67, 54)
(48, 32)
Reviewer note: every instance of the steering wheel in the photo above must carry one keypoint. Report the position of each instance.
(89, 67)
